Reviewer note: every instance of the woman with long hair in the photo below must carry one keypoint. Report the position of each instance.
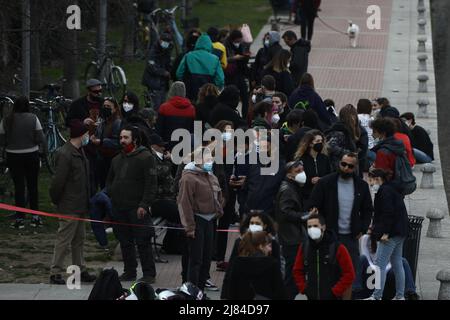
(278, 68)
(312, 151)
(207, 99)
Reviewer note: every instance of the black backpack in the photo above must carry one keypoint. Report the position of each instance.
(107, 286)
(404, 180)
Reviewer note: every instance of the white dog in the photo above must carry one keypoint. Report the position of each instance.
(353, 33)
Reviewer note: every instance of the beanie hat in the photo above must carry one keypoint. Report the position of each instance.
(77, 128)
(178, 89)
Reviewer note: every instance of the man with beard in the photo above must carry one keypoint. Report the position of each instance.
(87, 108)
(345, 202)
(132, 186)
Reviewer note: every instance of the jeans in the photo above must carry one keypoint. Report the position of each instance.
(391, 250)
(24, 168)
(421, 157)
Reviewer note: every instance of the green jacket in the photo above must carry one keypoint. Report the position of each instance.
(203, 61)
(132, 180)
(69, 189)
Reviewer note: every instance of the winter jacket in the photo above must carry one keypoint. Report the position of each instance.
(308, 97)
(289, 212)
(108, 132)
(221, 52)
(390, 216)
(69, 188)
(263, 57)
(299, 60)
(325, 198)
(177, 113)
(237, 68)
(387, 151)
(283, 81)
(100, 202)
(158, 64)
(226, 109)
(310, 6)
(420, 140)
(165, 178)
(132, 180)
(203, 110)
(276, 254)
(323, 277)
(203, 67)
(261, 123)
(294, 141)
(407, 143)
(80, 109)
(319, 167)
(256, 277)
(199, 193)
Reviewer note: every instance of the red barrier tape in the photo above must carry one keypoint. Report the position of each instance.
(67, 217)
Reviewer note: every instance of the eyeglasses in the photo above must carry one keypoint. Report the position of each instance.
(349, 165)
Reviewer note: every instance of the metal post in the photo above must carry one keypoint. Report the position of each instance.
(26, 47)
(102, 26)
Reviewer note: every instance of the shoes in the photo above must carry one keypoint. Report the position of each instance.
(57, 279)
(109, 230)
(395, 298)
(18, 224)
(209, 285)
(36, 222)
(371, 298)
(105, 249)
(127, 277)
(86, 277)
(147, 279)
(221, 266)
(412, 296)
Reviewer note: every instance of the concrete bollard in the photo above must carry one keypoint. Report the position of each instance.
(421, 11)
(422, 62)
(422, 23)
(427, 177)
(422, 44)
(435, 226)
(423, 104)
(444, 290)
(423, 78)
(421, 4)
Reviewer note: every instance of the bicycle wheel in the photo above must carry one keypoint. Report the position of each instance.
(91, 71)
(117, 83)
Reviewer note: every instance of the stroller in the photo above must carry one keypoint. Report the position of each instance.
(280, 8)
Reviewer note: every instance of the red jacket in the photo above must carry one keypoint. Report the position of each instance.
(347, 275)
(407, 143)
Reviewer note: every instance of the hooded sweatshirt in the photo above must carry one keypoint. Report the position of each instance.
(226, 109)
(265, 55)
(199, 194)
(201, 61)
(387, 151)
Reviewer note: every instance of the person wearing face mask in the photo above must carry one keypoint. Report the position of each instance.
(279, 102)
(390, 228)
(271, 45)
(278, 68)
(132, 185)
(323, 267)
(263, 115)
(253, 222)
(218, 48)
(254, 274)
(200, 202)
(156, 75)
(69, 191)
(207, 99)
(344, 199)
(289, 213)
(313, 153)
(106, 138)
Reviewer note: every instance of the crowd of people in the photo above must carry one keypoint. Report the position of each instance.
(339, 177)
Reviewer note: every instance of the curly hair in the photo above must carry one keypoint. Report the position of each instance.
(304, 145)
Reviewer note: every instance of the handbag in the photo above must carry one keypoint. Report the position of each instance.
(246, 33)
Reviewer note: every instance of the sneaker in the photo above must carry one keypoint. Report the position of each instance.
(412, 296)
(86, 277)
(209, 285)
(36, 222)
(109, 230)
(57, 279)
(370, 298)
(18, 224)
(221, 266)
(147, 279)
(395, 298)
(127, 277)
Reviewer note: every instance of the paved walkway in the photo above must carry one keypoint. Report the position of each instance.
(383, 64)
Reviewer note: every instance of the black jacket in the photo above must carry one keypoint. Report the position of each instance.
(288, 214)
(325, 198)
(294, 141)
(299, 60)
(203, 110)
(263, 57)
(283, 81)
(79, 109)
(158, 64)
(390, 214)
(257, 277)
(276, 254)
(421, 141)
(224, 112)
(314, 168)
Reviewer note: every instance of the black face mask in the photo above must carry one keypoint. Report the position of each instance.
(318, 147)
(105, 113)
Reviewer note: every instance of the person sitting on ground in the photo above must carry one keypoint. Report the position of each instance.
(420, 139)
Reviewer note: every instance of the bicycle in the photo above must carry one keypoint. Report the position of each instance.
(53, 135)
(104, 69)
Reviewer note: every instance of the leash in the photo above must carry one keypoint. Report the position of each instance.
(331, 27)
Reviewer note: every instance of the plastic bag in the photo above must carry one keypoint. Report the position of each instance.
(246, 33)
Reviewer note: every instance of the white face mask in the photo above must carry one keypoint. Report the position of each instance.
(314, 233)
(266, 43)
(165, 44)
(159, 154)
(255, 228)
(236, 44)
(301, 177)
(127, 107)
(254, 98)
(275, 118)
(227, 136)
(375, 188)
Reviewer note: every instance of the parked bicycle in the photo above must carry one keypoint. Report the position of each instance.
(104, 69)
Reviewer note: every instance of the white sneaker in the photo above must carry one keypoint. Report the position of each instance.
(395, 298)
(109, 230)
(209, 285)
(370, 298)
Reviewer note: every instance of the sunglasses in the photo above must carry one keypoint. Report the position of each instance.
(349, 165)
(97, 91)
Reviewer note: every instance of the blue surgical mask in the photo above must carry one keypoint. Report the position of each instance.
(85, 141)
(165, 44)
(208, 166)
